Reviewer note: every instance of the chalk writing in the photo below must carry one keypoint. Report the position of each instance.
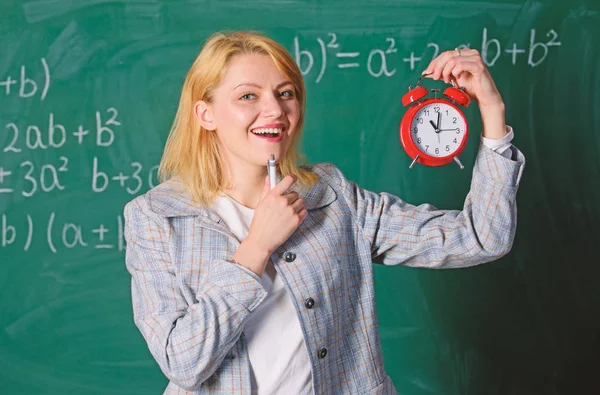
(132, 181)
(382, 60)
(61, 234)
(25, 86)
(55, 135)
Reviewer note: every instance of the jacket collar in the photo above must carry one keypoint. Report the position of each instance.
(171, 199)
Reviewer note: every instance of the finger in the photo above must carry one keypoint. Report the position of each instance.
(437, 65)
(464, 52)
(447, 70)
(298, 205)
(456, 71)
(428, 72)
(284, 184)
(459, 72)
(302, 214)
(431, 66)
(429, 69)
(472, 65)
(291, 197)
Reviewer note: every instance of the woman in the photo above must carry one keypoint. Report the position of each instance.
(239, 288)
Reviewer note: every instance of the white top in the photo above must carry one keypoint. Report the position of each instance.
(276, 348)
(502, 145)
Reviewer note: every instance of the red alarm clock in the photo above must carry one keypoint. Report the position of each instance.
(434, 131)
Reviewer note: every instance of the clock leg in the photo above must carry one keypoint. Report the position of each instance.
(413, 162)
(458, 162)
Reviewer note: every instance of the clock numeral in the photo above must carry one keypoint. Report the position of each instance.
(437, 150)
(426, 112)
(436, 109)
(415, 129)
(455, 142)
(457, 131)
(419, 140)
(426, 148)
(420, 120)
(453, 119)
(447, 148)
(447, 112)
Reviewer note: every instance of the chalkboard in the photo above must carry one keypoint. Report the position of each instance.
(88, 91)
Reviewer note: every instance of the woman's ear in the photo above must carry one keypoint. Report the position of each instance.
(204, 115)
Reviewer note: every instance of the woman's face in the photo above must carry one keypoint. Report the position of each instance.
(254, 110)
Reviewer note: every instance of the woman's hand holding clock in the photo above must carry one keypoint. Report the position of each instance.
(466, 67)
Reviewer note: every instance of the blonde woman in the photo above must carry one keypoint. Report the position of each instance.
(239, 288)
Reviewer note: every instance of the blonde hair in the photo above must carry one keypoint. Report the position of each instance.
(192, 152)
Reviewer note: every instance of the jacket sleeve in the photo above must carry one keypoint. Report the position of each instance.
(189, 341)
(423, 236)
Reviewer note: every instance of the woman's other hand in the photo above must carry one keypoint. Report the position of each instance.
(276, 217)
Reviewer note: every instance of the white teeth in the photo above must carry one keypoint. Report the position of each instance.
(268, 130)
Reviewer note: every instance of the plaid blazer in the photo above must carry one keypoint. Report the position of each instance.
(190, 303)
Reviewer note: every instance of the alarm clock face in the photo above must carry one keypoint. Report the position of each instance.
(438, 129)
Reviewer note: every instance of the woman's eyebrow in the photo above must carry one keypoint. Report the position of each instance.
(248, 84)
(255, 85)
(283, 83)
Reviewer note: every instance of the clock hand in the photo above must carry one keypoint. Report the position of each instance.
(446, 130)
(437, 131)
(439, 125)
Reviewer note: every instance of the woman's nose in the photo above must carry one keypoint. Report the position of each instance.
(273, 107)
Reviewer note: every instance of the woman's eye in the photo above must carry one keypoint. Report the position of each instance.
(287, 93)
(248, 96)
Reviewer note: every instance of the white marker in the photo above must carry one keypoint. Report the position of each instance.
(272, 171)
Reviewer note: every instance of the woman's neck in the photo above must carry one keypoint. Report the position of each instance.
(247, 185)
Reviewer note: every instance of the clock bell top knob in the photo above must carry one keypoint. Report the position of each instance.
(413, 95)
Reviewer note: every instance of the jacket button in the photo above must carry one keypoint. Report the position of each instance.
(289, 256)
(322, 353)
(309, 303)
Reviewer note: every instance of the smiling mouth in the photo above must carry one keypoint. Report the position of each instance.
(268, 132)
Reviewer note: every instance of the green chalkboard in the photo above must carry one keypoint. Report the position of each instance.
(88, 91)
